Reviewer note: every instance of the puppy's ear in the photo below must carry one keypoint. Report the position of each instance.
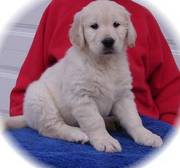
(131, 34)
(76, 33)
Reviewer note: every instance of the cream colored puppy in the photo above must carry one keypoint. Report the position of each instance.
(92, 81)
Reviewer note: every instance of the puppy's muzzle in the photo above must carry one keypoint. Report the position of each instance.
(108, 44)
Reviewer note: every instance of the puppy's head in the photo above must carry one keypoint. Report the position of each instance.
(103, 27)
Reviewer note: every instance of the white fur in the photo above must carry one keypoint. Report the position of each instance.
(71, 98)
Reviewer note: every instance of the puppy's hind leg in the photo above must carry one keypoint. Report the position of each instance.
(63, 131)
(55, 127)
(42, 114)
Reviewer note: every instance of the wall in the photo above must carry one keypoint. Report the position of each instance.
(16, 44)
(19, 38)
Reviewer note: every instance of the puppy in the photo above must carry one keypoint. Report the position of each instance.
(92, 81)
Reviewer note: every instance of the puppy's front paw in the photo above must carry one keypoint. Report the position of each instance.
(105, 143)
(145, 137)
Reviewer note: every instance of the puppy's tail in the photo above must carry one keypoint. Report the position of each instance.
(14, 122)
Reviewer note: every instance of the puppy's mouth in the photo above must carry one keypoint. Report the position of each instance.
(108, 51)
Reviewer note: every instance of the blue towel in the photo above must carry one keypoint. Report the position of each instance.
(62, 154)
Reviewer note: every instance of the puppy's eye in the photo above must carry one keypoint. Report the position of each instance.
(94, 26)
(116, 24)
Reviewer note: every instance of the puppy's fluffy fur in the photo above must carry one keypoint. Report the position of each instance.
(92, 81)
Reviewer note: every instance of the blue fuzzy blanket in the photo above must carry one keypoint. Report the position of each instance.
(62, 154)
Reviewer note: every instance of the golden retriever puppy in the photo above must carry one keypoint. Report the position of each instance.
(92, 81)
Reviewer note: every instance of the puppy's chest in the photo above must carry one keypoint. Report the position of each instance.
(108, 86)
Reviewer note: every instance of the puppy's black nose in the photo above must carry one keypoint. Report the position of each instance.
(108, 42)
